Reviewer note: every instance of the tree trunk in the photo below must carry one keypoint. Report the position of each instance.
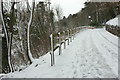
(11, 24)
(28, 32)
(5, 61)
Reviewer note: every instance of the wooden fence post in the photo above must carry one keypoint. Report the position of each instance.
(76, 31)
(59, 43)
(64, 40)
(52, 52)
(68, 36)
(73, 33)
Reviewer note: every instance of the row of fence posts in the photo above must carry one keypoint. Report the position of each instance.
(70, 36)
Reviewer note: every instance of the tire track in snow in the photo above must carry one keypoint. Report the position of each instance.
(106, 52)
(78, 53)
(82, 66)
(90, 56)
(76, 63)
(105, 40)
(109, 40)
(107, 45)
(94, 67)
(113, 50)
(107, 35)
(101, 61)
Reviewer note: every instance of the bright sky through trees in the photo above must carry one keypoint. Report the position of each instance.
(69, 6)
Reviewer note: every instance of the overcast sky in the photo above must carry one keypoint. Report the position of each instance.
(69, 6)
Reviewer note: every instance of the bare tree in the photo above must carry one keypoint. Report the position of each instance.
(5, 43)
(28, 31)
(3, 22)
(8, 33)
(59, 15)
(59, 12)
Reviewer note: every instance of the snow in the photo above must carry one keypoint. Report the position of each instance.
(113, 21)
(92, 54)
(2, 35)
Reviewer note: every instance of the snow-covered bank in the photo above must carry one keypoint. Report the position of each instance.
(93, 54)
(113, 21)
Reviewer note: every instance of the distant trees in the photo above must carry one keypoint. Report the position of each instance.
(59, 12)
(59, 16)
(102, 11)
(99, 14)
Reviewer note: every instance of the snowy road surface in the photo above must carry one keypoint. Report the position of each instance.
(93, 54)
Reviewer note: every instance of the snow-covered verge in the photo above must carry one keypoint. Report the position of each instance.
(113, 21)
(93, 54)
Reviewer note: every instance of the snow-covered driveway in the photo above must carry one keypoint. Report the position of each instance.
(93, 54)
